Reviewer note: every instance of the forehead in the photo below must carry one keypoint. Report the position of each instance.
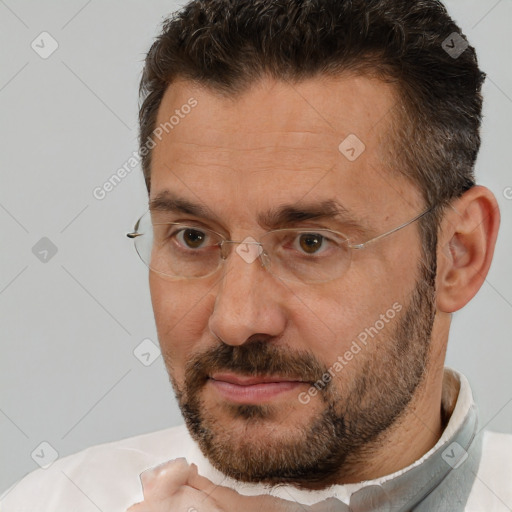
(322, 109)
(279, 140)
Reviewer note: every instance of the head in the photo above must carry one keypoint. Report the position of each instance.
(252, 107)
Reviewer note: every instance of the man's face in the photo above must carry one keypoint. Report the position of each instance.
(243, 347)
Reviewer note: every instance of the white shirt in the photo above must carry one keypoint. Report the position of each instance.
(106, 477)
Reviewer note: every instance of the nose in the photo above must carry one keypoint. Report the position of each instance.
(249, 301)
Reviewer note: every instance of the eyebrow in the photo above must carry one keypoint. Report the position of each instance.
(275, 218)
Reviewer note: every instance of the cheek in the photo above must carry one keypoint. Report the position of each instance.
(181, 318)
(321, 321)
(329, 321)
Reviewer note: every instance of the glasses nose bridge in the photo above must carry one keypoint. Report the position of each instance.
(263, 256)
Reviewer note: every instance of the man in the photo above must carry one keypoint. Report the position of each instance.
(313, 223)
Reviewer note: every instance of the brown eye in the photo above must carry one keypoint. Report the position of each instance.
(192, 238)
(310, 243)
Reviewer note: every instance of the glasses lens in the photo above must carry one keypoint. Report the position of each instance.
(307, 256)
(187, 251)
(178, 250)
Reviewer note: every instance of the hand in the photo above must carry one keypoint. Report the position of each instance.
(176, 486)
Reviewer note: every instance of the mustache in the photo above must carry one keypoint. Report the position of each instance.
(256, 358)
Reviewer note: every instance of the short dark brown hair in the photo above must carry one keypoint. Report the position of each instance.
(227, 45)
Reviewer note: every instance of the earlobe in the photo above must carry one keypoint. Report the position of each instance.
(467, 238)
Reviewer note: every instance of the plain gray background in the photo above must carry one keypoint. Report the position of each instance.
(70, 324)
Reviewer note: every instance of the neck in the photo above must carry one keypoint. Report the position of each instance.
(407, 440)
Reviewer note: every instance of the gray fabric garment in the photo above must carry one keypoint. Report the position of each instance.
(442, 483)
(451, 492)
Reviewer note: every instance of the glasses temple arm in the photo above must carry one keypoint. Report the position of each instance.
(364, 244)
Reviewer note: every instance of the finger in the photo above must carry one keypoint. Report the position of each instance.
(229, 500)
(165, 479)
(199, 482)
(188, 499)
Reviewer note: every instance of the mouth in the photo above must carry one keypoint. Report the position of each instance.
(244, 389)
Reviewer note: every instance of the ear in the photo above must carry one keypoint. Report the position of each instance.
(466, 242)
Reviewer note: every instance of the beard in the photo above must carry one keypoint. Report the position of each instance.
(256, 448)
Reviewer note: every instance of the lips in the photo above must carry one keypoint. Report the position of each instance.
(243, 389)
(242, 380)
